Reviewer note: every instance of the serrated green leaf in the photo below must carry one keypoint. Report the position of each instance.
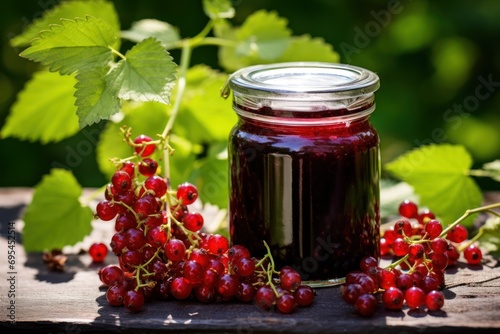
(262, 38)
(47, 115)
(218, 9)
(211, 179)
(74, 45)
(143, 29)
(490, 237)
(147, 73)
(439, 176)
(69, 10)
(204, 116)
(95, 98)
(55, 218)
(305, 48)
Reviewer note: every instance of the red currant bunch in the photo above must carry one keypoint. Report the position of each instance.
(163, 253)
(395, 289)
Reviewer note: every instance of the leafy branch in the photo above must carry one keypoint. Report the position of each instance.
(92, 80)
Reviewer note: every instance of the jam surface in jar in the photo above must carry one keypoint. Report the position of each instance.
(307, 183)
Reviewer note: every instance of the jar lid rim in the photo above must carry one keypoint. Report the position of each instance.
(303, 78)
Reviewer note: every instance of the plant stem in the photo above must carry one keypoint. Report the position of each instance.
(486, 208)
(181, 87)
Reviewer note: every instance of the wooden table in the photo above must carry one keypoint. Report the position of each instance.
(73, 301)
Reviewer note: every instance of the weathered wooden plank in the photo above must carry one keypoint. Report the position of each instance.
(74, 302)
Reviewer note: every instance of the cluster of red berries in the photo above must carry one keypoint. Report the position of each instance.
(422, 250)
(421, 237)
(163, 253)
(366, 288)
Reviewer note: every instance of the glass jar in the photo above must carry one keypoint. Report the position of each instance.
(304, 166)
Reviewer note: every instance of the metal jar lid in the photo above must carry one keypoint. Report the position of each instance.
(302, 81)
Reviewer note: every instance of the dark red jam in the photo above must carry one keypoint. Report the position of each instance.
(310, 190)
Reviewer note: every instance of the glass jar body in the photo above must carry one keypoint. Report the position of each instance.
(311, 191)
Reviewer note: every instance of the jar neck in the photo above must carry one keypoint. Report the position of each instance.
(323, 118)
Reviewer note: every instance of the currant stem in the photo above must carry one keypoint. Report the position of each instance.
(486, 208)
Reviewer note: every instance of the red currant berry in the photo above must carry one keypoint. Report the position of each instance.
(148, 167)
(415, 297)
(98, 252)
(351, 292)
(121, 181)
(286, 304)
(115, 295)
(434, 300)
(110, 274)
(134, 300)
(175, 250)
(217, 244)
(142, 148)
(106, 210)
(403, 228)
(366, 305)
(205, 294)
(238, 251)
(228, 286)
(244, 266)
(290, 280)
(193, 221)
(193, 272)
(393, 298)
(416, 251)
(433, 228)
(404, 282)
(400, 247)
(304, 295)
(187, 193)
(473, 255)
(265, 297)
(135, 239)
(156, 184)
(408, 209)
(439, 245)
(246, 292)
(457, 234)
(439, 261)
(369, 265)
(181, 288)
(386, 278)
(157, 236)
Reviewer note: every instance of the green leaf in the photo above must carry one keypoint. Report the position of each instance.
(147, 73)
(204, 115)
(69, 10)
(490, 237)
(95, 99)
(47, 115)
(73, 46)
(211, 179)
(143, 29)
(305, 48)
(263, 35)
(439, 176)
(262, 38)
(55, 218)
(218, 9)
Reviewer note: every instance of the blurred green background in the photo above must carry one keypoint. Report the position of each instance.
(438, 61)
